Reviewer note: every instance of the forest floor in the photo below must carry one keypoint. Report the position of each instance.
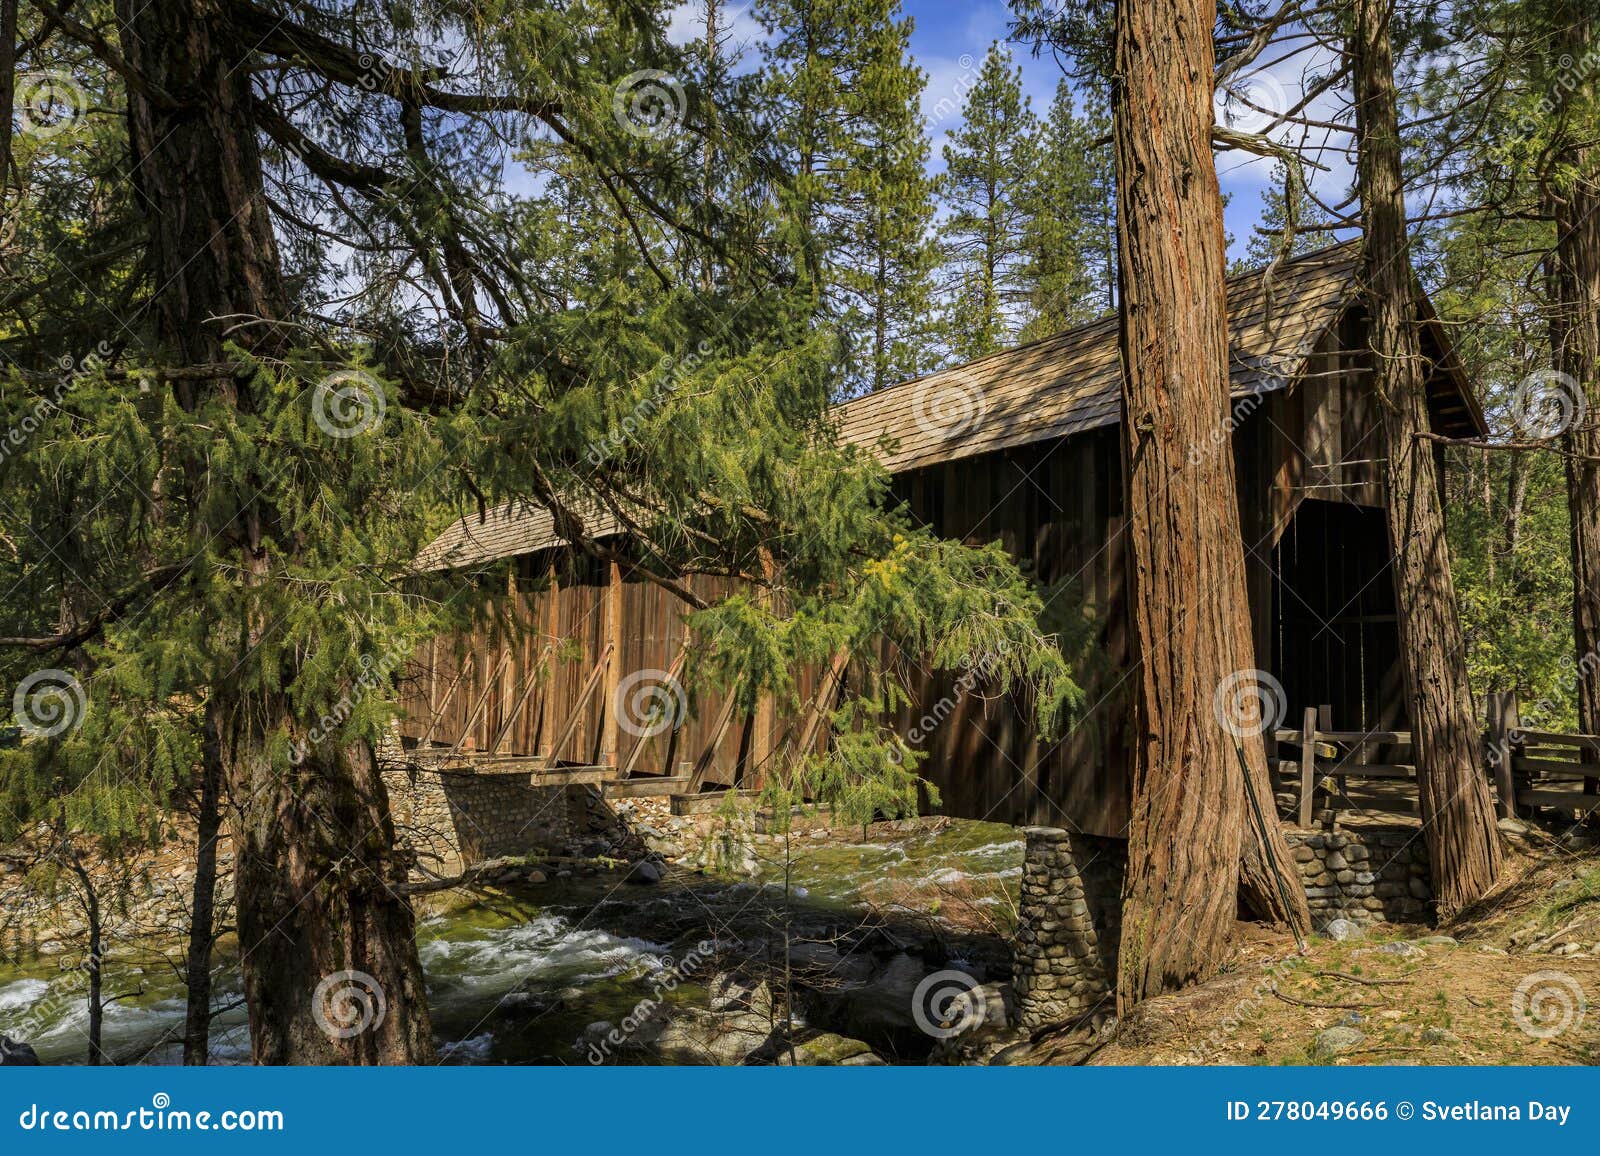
(1511, 981)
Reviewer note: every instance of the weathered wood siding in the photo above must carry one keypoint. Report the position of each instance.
(1057, 505)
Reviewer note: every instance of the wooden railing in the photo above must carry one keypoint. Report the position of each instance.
(1540, 769)
(1530, 770)
(1325, 754)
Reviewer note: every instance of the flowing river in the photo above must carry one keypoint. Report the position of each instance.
(517, 978)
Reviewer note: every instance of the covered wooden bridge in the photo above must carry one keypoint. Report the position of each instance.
(1020, 447)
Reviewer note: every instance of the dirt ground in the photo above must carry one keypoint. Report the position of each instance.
(1509, 982)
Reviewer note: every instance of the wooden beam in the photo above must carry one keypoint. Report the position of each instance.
(552, 624)
(584, 695)
(1497, 752)
(483, 701)
(1556, 739)
(530, 682)
(719, 731)
(466, 665)
(822, 702)
(1563, 800)
(639, 744)
(574, 776)
(652, 786)
(611, 725)
(1308, 764)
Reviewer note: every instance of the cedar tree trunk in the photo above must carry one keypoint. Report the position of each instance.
(320, 915)
(1457, 815)
(1187, 589)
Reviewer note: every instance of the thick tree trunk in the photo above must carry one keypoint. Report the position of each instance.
(327, 940)
(1575, 338)
(323, 931)
(202, 905)
(1457, 816)
(1187, 581)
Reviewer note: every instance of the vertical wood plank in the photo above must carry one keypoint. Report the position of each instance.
(1308, 764)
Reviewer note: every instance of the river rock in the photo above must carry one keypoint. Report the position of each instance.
(736, 993)
(15, 1054)
(1399, 948)
(829, 1050)
(887, 1001)
(697, 1036)
(1335, 1041)
(646, 871)
(1342, 929)
(824, 961)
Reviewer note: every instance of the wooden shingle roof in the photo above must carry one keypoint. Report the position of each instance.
(517, 527)
(1070, 383)
(1051, 388)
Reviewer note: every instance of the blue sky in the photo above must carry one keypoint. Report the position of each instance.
(948, 42)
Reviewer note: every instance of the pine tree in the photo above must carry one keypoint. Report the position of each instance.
(852, 129)
(1071, 230)
(209, 530)
(986, 188)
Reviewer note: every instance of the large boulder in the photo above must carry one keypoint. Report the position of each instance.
(15, 1054)
(697, 1036)
(828, 1049)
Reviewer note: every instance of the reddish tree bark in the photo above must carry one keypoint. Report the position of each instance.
(1573, 195)
(1457, 815)
(315, 872)
(1190, 609)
